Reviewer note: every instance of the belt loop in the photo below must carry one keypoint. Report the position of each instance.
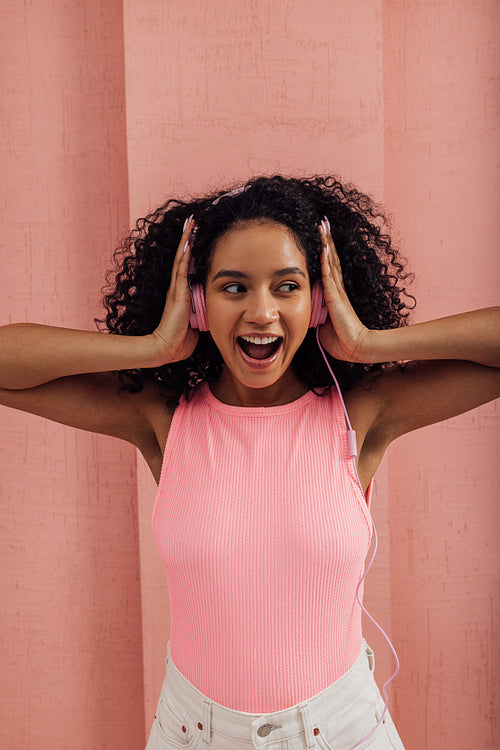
(207, 724)
(308, 728)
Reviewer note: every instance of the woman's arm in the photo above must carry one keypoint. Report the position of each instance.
(64, 374)
(454, 360)
(34, 354)
(472, 336)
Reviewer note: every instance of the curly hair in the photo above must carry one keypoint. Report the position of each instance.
(373, 270)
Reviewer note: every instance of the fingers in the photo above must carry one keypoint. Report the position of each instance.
(327, 241)
(183, 254)
(330, 263)
(187, 231)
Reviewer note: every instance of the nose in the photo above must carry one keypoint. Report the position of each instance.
(261, 308)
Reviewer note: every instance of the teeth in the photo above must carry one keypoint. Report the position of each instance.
(260, 339)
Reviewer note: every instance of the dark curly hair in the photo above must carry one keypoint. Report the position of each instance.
(373, 271)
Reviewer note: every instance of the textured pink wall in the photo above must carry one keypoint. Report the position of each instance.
(71, 630)
(397, 96)
(442, 152)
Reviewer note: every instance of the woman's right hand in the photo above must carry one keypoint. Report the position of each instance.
(33, 354)
(174, 337)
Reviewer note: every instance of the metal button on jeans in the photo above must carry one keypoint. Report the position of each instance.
(264, 730)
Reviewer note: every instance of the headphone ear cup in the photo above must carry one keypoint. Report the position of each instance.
(198, 314)
(319, 310)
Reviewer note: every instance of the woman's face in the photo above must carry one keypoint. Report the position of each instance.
(258, 300)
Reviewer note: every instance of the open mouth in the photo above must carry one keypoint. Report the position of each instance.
(259, 347)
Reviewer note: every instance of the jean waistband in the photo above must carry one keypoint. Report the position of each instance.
(263, 728)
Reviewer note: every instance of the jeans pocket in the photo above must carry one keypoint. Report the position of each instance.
(172, 729)
(352, 724)
(382, 739)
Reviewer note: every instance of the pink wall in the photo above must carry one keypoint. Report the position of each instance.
(442, 181)
(397, 96)
(71, 629)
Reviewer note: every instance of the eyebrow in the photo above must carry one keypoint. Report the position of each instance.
(241, 275)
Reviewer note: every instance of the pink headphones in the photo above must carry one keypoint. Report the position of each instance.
(198, 314)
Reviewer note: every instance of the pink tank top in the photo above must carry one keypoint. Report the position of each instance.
(263, 531)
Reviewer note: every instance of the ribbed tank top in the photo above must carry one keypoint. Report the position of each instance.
(263, 530)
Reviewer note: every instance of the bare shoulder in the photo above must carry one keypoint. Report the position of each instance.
(363, 405)
(398, 400)
(158, 409)
(97, 402)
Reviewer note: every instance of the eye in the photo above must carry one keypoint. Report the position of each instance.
(235, 288)
(288, 286)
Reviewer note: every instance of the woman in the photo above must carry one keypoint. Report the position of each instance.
(262, 513)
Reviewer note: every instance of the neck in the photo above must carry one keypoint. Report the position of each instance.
(230, 391)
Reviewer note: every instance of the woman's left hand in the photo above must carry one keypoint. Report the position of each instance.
(343, 335)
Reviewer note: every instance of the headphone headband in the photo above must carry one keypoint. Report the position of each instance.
(198, 315)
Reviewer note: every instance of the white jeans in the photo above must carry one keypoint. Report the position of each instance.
(337, 718)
